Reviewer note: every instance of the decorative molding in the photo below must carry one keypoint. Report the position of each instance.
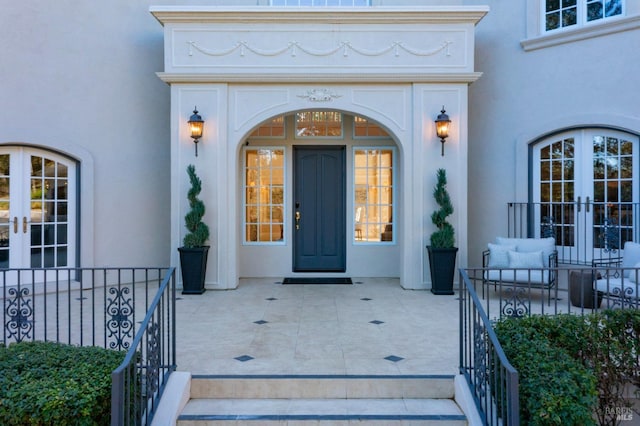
(424, 15)
(320, 95)
(305, 76)
(293, 47)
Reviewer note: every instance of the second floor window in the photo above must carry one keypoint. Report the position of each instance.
(568, 13)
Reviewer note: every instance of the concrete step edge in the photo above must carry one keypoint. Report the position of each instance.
(322, 387)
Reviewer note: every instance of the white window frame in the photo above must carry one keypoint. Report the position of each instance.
(394, 197)
(581, 17)
(245, 241)
(538, 38)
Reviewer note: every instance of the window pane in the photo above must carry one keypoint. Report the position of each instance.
(552, 21)
(545, 173)
(312, 124)
(271, 129)
(613, 8)
(569, 17)
(594, 10)
(264, 194)
(373, 195)
(364, 128)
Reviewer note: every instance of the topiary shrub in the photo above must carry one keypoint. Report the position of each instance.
(444, 236)
(48, 383)
(198, 231)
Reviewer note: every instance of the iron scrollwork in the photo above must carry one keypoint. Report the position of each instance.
(516, 303)
(19, 310)
(153, 357)
(480, 359)
(119, 325)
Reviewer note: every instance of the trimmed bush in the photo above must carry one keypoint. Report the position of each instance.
(48, 383)
(555, 389)
(573, 369)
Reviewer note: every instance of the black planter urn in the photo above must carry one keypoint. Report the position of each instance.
(193, 262)
(442, 263)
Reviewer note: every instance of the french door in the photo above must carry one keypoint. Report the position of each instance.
(585, 191)
(37, 209)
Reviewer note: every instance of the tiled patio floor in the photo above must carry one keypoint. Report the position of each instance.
(371, 327)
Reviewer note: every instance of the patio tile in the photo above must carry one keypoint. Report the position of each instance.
(317, 329)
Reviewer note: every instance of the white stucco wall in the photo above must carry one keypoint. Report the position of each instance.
(524, 95)
(81, 79)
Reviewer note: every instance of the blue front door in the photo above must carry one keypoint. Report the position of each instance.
(319, 209)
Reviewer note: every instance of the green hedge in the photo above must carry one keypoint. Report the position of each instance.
(47, 383)
(573, 369)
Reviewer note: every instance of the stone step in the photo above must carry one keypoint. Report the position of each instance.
(322, 386)
(317, 400)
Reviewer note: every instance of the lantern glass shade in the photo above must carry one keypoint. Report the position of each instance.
(442, 125)
(195, 125)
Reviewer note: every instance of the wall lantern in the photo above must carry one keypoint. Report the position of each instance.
(442, 127)
(196, 123)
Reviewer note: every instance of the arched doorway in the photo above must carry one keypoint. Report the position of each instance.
(242, 67)
(585, 190)
(319, 192)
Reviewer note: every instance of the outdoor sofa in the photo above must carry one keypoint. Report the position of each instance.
(618, 278)
(527, 262)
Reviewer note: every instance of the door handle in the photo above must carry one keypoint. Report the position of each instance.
(24, 224)
(15, 224)
(298, 220)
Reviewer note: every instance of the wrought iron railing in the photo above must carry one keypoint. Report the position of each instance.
(138, 383)
(99, 307)
(583, 230)
(488, 295)
(492, 379)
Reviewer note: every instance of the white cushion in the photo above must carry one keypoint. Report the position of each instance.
(527, 245)
(631, 256)
(533, 276)
(614, 287)
(633, 273)
(499, 255)
(530, 260)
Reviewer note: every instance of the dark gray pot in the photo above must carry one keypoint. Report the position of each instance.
(442, 264)
(193, 263)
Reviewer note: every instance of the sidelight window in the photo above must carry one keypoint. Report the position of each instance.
(264, 195)
(373, 195)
